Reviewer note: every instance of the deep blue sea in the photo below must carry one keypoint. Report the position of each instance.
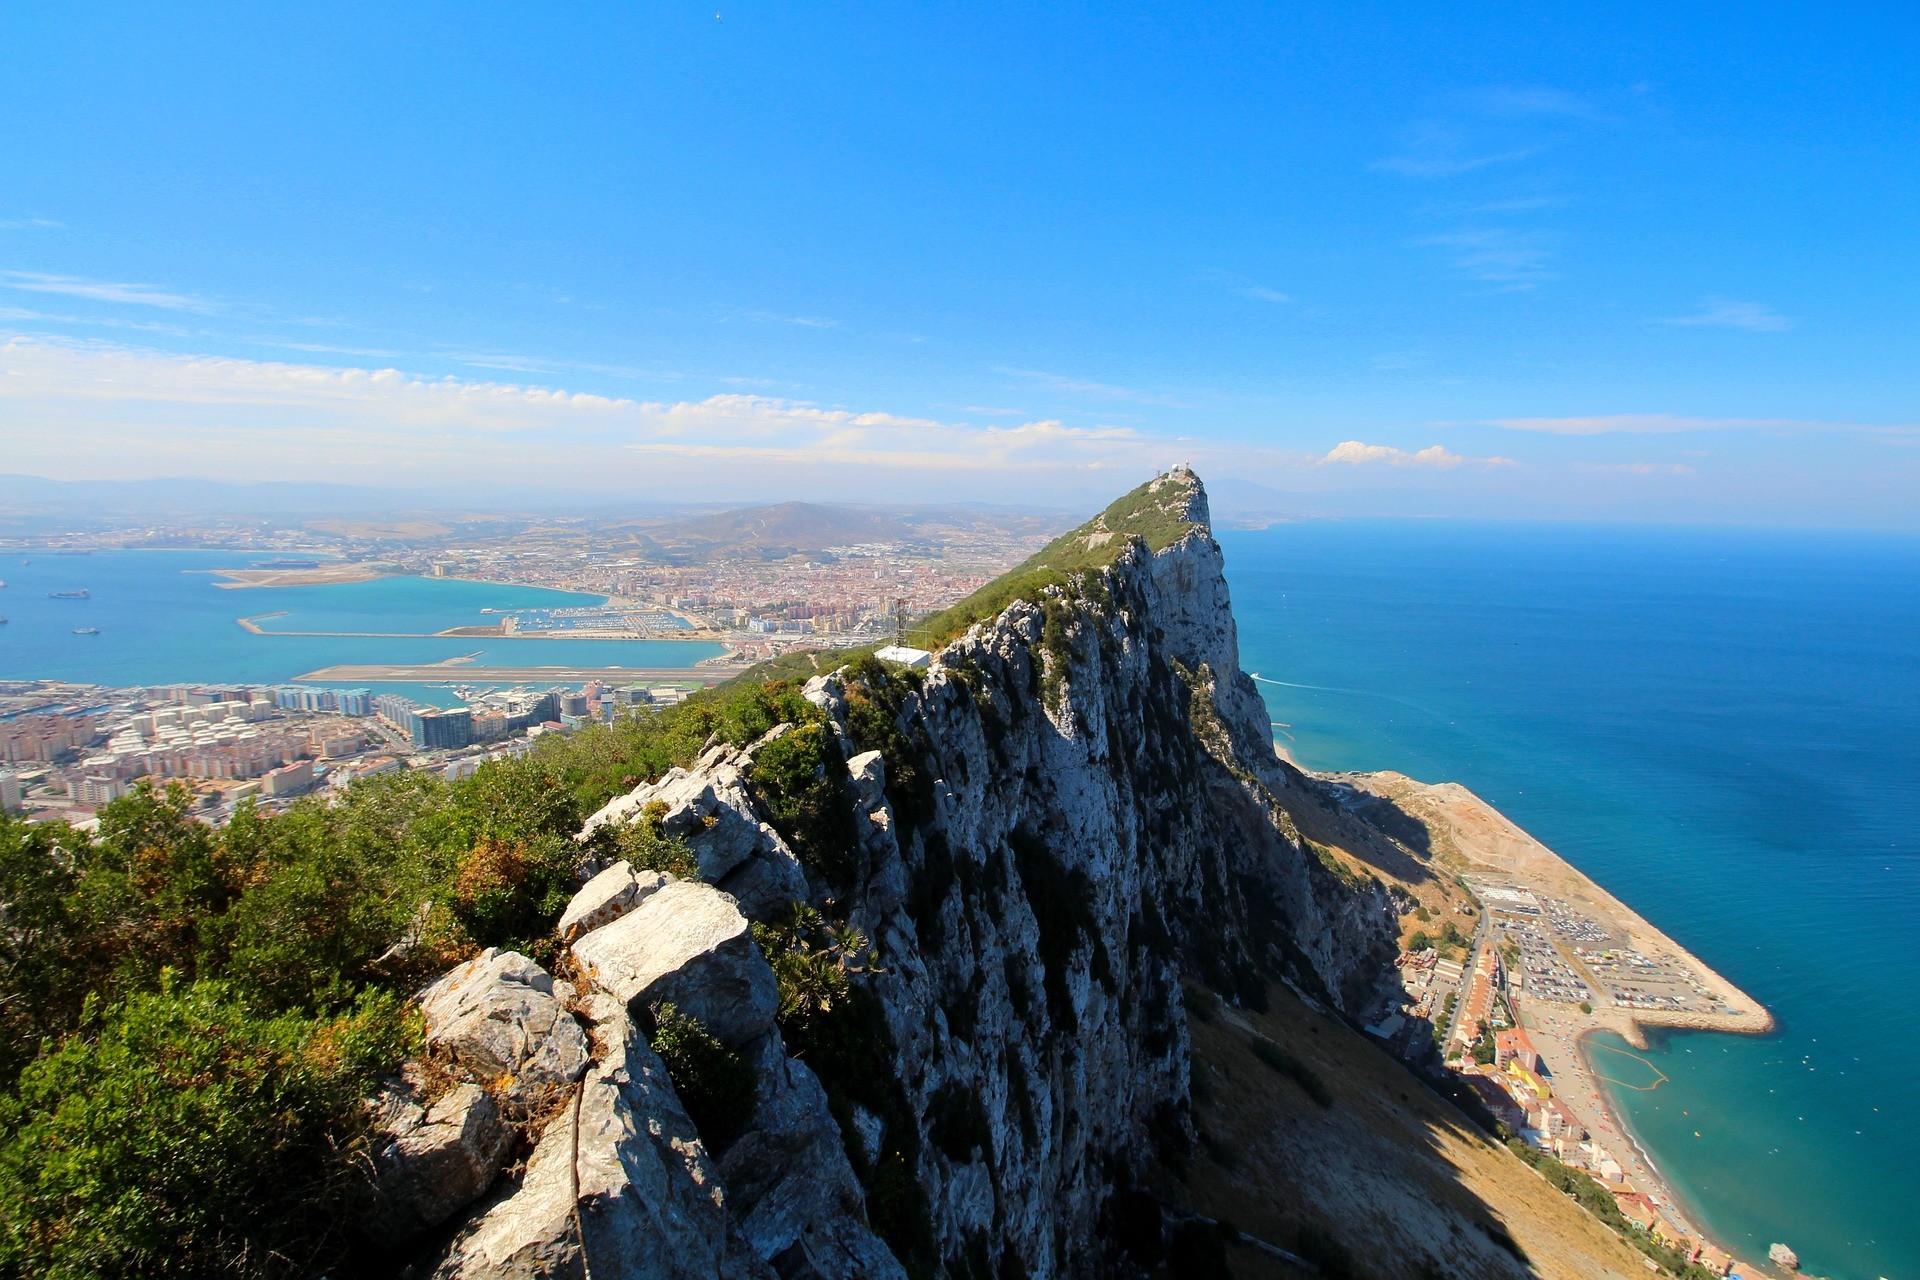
(1723, 729)
(163, 619)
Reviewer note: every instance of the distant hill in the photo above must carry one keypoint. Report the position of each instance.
(805, 528)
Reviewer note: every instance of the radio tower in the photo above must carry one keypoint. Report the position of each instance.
(900, 621)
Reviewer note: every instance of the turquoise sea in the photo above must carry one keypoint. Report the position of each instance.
(1723, 729)
(163, 619)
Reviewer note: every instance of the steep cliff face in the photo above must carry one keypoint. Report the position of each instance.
(1071, 818)
(1082, 807)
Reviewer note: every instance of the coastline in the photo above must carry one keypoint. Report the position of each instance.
(1470, 838)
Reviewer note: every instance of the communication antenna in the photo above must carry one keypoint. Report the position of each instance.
(900, 621)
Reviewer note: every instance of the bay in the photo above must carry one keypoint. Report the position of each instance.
(162, 619)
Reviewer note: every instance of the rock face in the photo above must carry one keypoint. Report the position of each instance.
(711, 809)
(430, 1162)
(498, 1021)
(686, 944)
(1076, 809)
(607, 897)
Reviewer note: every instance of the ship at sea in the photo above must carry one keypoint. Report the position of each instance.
(81, 594)
(86, 631)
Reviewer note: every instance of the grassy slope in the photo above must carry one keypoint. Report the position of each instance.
(1393, 1173)
(1153, 512)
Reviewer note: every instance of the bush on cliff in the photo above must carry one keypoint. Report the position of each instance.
(180, 1133)
(188, 1016)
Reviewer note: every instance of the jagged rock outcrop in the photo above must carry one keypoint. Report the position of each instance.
(686, 945)
(430, 1160)
(710, 809)
(1073, 813)
(498, 1020)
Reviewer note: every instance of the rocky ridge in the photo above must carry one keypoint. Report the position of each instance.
(1075, 812)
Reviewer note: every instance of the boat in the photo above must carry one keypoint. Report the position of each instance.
(82, 594)
(86, 631)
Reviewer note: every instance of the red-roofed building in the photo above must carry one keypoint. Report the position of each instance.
(1514, 1046)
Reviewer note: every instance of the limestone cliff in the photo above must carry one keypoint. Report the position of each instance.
(1069, 820)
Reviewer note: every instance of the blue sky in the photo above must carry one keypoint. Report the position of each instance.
(1628, 261)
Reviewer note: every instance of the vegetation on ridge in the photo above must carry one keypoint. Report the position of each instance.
(1155, 513)
(189, 1016)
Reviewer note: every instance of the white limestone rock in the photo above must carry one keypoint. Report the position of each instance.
(710, 809)
(498, 1021)
(606, 898)
(430, 1162)
(788, 1182)
(686, 944)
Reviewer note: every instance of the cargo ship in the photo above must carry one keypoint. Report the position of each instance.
(82, 594)
(86, 631)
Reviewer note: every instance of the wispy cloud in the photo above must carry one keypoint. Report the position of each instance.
(1499, 255)
(1637, 468)
(771, 317)
(1070, 385)
(93, 404)
(1439, 150)
(1245, 287)
(28, 224)
(1439, 457)
(1725, 313)
(102, 291)
(1653, 424)
(1519, 102)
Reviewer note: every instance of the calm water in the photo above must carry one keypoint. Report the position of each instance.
(1721, 728)
(161, 621)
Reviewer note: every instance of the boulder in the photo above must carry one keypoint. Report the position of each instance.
(867, 777)
(686, 944)
(529, 1231)
(606, 898)
(497, 1021)
(430, 1162)
(768, 883)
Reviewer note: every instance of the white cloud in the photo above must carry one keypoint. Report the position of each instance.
(102, 290)
(28, 224)
(1357, 453)
(1260, 293)
(93, 408)
(1724, 313)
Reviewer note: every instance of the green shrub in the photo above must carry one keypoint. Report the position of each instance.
(715, 1083)
(181, 1134)
(801, 779)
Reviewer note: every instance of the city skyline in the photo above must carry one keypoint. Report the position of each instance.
(1626, 265)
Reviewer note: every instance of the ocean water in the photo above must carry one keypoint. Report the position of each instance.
(163, 619)
(1723, 729)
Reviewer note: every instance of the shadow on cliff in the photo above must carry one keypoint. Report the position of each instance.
(1373, 831)
(1314, 1141)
